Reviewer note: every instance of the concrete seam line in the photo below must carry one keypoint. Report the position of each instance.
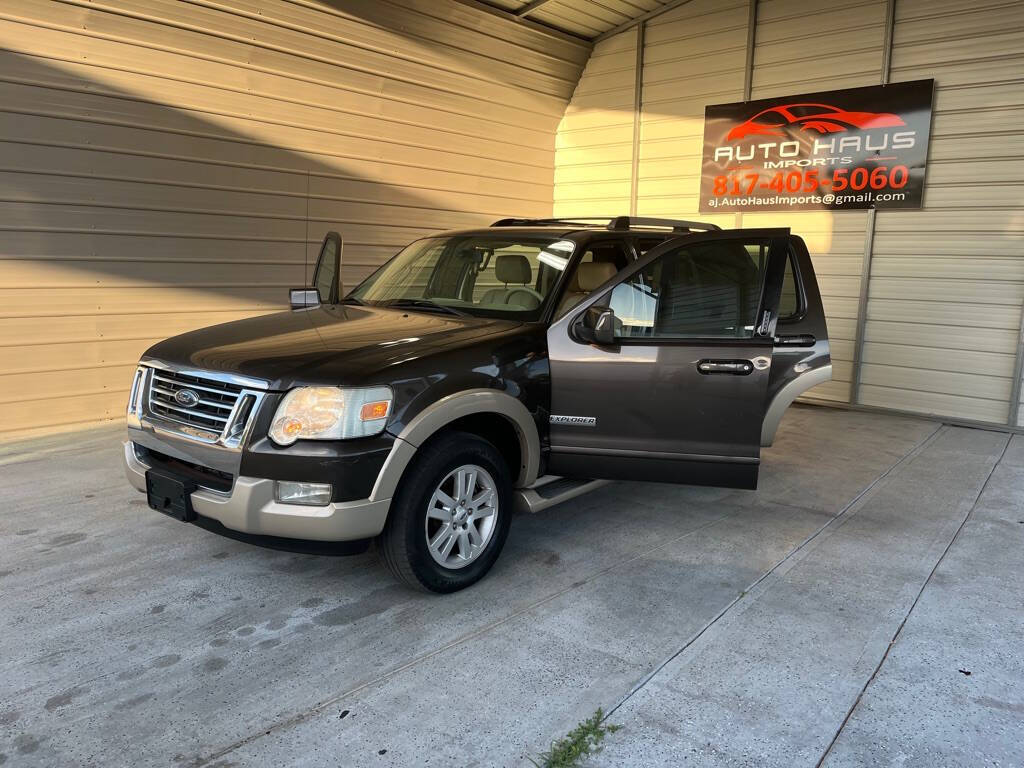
(793, 555)
(910, 610)
(319, 707)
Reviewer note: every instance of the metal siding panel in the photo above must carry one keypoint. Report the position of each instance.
(696, 57)
(152, 149)
(593, 151)
(938, 360)
(947, 282)
(964, 406)
(62, 413)
(942, 275)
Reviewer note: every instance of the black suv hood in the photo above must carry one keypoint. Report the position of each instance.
(345, 344)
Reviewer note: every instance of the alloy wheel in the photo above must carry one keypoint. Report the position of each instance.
(461, 516)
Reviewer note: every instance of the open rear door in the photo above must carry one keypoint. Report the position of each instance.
(678, 394)
(801, 358)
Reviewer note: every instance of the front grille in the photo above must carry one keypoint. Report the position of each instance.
(216, 400)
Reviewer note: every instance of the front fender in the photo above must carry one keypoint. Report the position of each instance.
(439, 414)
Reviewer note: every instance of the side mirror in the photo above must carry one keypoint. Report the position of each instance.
(596, 326)
(327, 274)
(304, 298)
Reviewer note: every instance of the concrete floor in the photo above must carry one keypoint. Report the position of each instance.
(831, 617)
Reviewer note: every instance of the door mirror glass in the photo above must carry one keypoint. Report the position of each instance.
(327, 276)
(596, 326)
(304, 298)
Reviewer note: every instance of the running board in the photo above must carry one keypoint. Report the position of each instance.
(551, 489)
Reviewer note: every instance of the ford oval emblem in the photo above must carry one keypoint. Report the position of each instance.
(186, 397)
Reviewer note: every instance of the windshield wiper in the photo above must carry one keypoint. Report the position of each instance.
(425, 304)
(353, 300)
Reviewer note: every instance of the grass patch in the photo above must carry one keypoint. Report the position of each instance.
(581, 742)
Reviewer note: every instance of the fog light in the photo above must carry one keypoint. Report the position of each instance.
(311, 494)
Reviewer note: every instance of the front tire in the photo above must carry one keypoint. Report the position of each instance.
(451, 515)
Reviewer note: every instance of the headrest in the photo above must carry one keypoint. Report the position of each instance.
(513, 268)
(591, 274)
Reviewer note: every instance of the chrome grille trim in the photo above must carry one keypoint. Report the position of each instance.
(211, 412)
(170, 393)
(226, 390)
(134, 396)
(190, 414)
(221, 417)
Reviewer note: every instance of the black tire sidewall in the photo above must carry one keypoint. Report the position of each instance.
(439, 457)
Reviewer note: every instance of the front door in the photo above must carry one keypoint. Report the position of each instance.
(679, 395)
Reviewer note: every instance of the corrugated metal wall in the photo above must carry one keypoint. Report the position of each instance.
(593, 159)
(693, 55)
(798, 50)
(947, 282)
(165, 165)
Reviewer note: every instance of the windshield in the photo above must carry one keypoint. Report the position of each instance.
(487, 275)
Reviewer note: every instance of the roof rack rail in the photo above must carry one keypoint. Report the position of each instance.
(586, 221)
(617, 223)
(676, 225)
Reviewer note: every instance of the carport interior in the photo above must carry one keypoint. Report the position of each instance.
(168, 165)
(862, 605)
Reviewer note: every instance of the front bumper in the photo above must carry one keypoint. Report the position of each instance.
(250, 508)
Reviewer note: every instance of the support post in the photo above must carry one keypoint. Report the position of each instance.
(638, 93)
(869, 228)
(1018, 371)
(748, 70)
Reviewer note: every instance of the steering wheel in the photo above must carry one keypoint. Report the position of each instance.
(535, 297)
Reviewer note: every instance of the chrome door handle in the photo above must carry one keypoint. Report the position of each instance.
(734, 367)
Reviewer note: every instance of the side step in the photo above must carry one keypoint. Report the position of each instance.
(551, 489)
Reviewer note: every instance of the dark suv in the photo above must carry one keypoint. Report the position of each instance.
(479, 371)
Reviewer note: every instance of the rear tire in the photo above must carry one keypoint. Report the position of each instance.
(451, 515)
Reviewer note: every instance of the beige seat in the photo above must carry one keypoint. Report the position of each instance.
(509, 268)
(585, 279)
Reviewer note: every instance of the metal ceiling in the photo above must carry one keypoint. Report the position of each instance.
(591, 20)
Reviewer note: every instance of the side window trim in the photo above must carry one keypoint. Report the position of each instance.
(793, 263)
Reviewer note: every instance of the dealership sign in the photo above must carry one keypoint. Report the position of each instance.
(836, 150)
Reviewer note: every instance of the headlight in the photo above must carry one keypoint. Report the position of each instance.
(330, 413)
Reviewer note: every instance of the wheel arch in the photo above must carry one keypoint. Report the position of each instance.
(470, 407)
(785, 397)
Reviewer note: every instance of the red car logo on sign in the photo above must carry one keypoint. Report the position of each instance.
(819, 118)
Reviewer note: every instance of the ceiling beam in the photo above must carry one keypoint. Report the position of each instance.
(668, 6)
(530, 7)
(546, 29)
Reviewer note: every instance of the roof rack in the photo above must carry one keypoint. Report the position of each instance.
(617, 223)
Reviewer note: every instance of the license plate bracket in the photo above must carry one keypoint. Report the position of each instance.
(170, 495)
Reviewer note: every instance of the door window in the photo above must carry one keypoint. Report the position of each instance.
(610, 256)
(644, 244)
(791, 302)
(705, 290)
